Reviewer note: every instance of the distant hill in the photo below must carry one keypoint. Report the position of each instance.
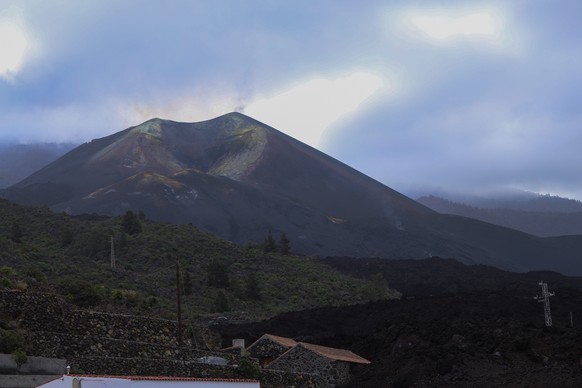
(239, 178)
(517, 200)
(542, 215)
(20, 160)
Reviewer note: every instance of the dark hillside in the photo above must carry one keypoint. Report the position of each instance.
(436, 275)
(42, 250)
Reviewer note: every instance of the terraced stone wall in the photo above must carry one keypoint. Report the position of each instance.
(116, 344)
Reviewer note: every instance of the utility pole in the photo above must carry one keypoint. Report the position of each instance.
(112, 254)
(179, 303)
(545, 299)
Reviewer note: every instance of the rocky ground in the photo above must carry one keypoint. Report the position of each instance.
(489, 332)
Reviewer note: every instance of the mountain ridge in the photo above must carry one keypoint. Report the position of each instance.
(546, 217)
(241, 179)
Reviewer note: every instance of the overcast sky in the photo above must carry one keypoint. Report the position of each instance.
(421, 95)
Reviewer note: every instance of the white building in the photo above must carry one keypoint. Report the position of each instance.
(89, 381)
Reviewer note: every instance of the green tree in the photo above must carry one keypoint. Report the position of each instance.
(95, 241)
(16, 232)
(67, 235)
(122, 239)
(187, 283)
(252, 287)
(131, 223)
(269, 243)
(220, 303)
(248, 369)
(83, 293)
(218, 274)
(284, 244)
(10, 340)
(377, 287)
(19, 357)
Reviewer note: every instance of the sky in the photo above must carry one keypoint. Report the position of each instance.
(425, 96)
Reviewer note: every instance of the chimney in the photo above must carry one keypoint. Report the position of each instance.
(240, 343)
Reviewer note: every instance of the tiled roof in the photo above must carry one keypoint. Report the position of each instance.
(167, 378)
(288, 342)
(331, 353)
(335, 354)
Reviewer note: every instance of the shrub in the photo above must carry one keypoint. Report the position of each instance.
(220, 303)
(248, 369)
(83, 293)
(10, 340)
(19, 357)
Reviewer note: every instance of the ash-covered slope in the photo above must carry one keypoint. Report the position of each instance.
(241, 179)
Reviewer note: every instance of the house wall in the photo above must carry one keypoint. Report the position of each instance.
(110, 382)
(330, 373)
(196, 384)
(25, 381)
(33, 365)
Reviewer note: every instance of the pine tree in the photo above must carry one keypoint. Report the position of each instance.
(131, 223)
(284, 244)
(220, 303)
(252, 287)
(269, 244)
(16, 232)
(218, 274)
(187, 284)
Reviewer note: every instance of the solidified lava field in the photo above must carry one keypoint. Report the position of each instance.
(489, 332)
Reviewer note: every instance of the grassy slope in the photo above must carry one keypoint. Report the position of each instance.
(72, 256)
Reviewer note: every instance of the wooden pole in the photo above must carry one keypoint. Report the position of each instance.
(112, 254)
(179, 303)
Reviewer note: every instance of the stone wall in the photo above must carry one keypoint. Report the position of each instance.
(116, 344)
(118, 366)
(33, 311)
(280, 379)
(51, 313)
(124, 327)
(53, 329)
(53, 344)
(329, 373)
(266, 350)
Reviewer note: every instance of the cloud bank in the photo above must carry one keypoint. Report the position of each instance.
(461, 96)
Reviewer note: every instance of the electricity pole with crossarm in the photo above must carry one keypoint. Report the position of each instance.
(545, 299)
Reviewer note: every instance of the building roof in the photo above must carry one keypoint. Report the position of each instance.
(284, 341)
(335, 354)
(331, 353)
(166, 378)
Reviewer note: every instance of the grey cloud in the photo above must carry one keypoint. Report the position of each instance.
(464, 115)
